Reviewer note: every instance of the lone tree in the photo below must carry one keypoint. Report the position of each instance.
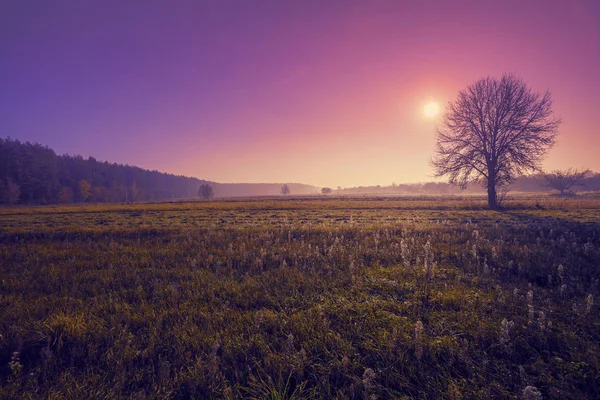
(494, 131)
(326, 190)
(285, 190)
(205, 191)
(563, 181)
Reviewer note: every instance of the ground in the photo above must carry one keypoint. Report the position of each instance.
(301, 298)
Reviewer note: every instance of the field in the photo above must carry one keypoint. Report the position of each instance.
(301, 298)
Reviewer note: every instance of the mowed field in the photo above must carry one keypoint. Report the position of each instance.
(301, 298)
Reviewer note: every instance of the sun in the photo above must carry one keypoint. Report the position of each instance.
(431, 109)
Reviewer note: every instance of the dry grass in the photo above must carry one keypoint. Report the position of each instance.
(301, 298)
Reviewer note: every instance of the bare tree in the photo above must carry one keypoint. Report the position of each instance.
(285, 190)
(563, 181)
(496, 130)
(326, 190)
(205, 191)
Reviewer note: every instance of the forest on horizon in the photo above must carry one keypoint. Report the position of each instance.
(31, 173)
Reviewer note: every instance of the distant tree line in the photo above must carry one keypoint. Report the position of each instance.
(529, 183)
(34, 174)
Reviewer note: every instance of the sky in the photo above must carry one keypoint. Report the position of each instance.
(323, 92)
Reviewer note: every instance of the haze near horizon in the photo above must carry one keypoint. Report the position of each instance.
(324, 93)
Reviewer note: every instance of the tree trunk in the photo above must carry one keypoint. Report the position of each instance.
(492, 198)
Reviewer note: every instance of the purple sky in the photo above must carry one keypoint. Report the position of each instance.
(320, 92)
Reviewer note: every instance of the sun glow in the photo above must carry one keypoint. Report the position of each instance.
(431, 109)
